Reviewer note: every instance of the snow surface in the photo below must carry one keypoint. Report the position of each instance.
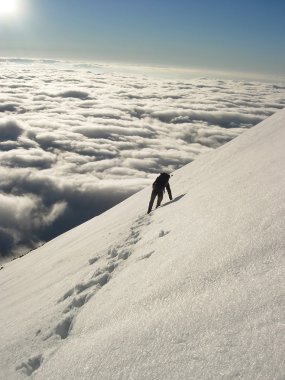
(192, 291)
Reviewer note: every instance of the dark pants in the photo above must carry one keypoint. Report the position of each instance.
(155, 193)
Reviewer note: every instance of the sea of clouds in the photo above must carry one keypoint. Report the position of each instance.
(76, 139)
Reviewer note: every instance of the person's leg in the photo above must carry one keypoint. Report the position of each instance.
(159, 199)
(152, 198)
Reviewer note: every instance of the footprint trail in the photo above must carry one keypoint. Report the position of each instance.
(76, 297)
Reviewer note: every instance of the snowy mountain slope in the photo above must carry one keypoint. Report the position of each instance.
(192, 291)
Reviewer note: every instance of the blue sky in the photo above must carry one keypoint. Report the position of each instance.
(244, 35)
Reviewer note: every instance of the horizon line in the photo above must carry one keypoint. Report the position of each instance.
(155, 67)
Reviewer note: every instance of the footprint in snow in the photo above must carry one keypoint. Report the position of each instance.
(147, 256)
(63, 328)
(134, 237)
(98, 280)
(31, 365)
(66, 295)
(163, 233)
(77, 302)
(112, 252)
(112, 265)
(93, 260)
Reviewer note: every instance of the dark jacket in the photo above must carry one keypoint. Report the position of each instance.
(161, 183)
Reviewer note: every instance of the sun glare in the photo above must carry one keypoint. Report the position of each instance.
(8, 7)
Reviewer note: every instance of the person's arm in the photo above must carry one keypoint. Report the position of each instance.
(169, 191)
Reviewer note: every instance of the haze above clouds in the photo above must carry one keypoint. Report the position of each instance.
(75, 140)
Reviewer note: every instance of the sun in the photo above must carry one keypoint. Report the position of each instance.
(8, 7)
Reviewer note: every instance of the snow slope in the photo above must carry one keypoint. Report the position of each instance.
(192, 291)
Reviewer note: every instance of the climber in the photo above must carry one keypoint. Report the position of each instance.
(158, 188)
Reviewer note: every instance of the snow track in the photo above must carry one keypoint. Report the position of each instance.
(76, 297)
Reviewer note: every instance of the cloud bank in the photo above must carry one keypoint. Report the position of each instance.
(76, 140)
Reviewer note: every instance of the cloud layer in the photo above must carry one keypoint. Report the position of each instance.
(77, 139)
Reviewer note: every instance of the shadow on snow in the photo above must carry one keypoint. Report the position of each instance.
(174, 200)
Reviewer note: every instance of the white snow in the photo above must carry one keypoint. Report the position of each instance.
(192, 291)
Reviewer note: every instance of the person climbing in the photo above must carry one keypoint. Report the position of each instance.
(158, 188)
